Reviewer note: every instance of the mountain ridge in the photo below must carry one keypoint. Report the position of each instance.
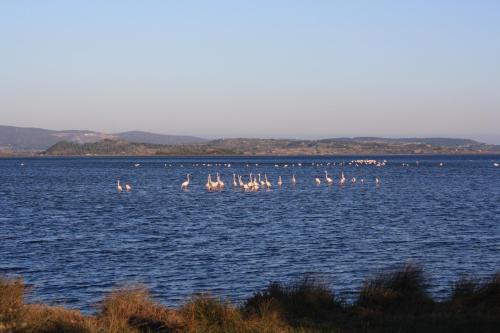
(249, 147)
(32, 139)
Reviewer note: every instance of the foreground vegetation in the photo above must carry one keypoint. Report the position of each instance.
(395, 301)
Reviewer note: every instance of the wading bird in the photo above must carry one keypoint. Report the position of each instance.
(280, 181)
(220, 183)
(208, 185)
(185, 184)
(342, 178)
(268, 183)
(262, 183)
(128, 188)
(118, 186)
(329, 181)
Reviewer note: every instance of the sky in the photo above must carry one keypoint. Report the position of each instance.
(273, 69)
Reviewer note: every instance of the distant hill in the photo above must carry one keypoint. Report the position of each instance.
(163, 139)
(37, 139)
(109, 147)
(265, 147)
(443, 142)
(14, 140)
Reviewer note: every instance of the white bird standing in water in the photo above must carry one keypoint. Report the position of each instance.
(318, 181)
(268, 183)
(128, 188)
(235, 184)
(329, 181)
(294, 181)
(208, 185)
(118, 186)
(496, 164)
(377, 180)
(185, 184)
(220, 183)
(280, 181)
(262, 183)
(353, 180)
(342, 178)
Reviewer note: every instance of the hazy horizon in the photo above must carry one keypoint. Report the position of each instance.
(281, 69)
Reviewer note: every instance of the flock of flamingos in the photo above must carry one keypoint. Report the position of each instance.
(257, 182)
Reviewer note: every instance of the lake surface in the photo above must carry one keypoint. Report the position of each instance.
(66, 230)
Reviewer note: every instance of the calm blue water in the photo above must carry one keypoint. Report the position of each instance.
(66, 230)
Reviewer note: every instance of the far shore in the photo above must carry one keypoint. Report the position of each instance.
(7, 155)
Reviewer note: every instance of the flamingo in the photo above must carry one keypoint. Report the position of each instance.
(250, 181)
(185, 184)
(342, 178)
(219, 182)
(208, 185)
(262, 183)
(268, 183)
(255, 184)
(328, 179)
(294, 181)
(128, 188)
(280, 181)
(318, 181)
(234, 180)
(118, 186)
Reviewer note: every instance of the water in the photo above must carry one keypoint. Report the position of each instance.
(66, 230)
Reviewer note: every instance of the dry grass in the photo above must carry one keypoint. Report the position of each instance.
(302, 302)
(133, 309)
(399, 291)
(392, 302)
(209, 315)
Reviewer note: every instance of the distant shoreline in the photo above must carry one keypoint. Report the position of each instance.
(42, 156)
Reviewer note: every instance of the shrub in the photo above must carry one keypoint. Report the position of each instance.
(400, 291)
(133, 310)
(11, 303)
(473, 297)
(303, 301)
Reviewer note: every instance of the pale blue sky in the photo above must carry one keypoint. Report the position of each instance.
(298, 69)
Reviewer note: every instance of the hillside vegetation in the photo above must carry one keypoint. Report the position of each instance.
(276, 147)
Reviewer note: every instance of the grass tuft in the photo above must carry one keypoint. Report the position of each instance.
(303, 301)
(399, 291)
(471, 296)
